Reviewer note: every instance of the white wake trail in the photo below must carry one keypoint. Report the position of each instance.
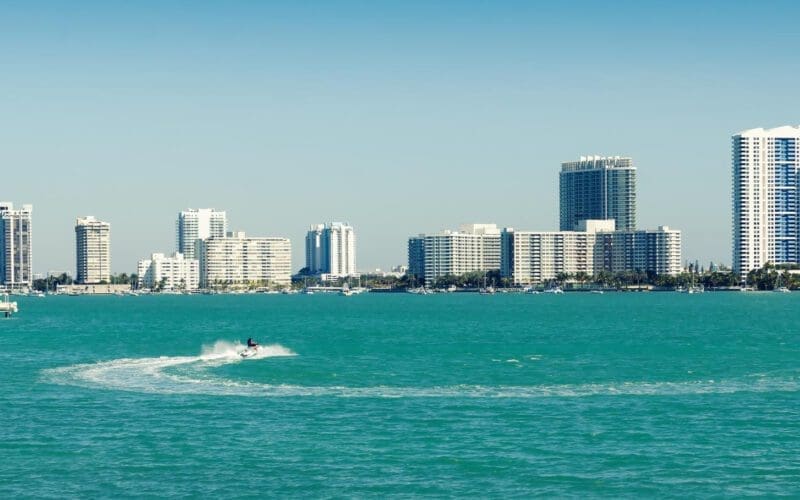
(191, 375)
(153, 374)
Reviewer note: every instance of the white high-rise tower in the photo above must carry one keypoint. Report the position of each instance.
(198, 224)
(766, 208)
(93, 250)
(331, 249)
(16, 254)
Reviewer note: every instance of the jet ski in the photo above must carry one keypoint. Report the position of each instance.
(250, 351)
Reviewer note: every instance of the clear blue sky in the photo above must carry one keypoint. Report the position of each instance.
(399, 117)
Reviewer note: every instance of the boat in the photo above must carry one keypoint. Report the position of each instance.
(598, 292)
(418, 291)
(780, 287)
(8, 308)
(486, 290)
(554, 289)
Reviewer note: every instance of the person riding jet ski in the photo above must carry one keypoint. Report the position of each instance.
(251, 343)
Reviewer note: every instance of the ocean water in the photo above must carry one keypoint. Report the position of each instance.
(614, 395)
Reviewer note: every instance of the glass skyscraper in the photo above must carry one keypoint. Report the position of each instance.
(597, 187)
(766, 210)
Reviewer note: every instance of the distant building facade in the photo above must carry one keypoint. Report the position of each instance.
(532, 257)
(175, 272)
(241, 260)
(198, 224)
(93, 250)
(331, 250)
(416, 257)
(597, 188)
(474, 247)
(766, 203)
(16, 248)
(651, 251)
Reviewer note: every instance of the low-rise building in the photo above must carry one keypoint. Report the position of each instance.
(169, 273)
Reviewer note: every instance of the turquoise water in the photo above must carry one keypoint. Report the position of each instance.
(447, 395)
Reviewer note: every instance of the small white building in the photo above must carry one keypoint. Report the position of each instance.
(176, 272)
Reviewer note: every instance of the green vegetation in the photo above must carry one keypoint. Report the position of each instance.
(51, 282)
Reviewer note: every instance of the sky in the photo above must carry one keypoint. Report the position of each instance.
(397, 117)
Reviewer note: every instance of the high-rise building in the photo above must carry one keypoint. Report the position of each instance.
(170, 273)
(93, 250)
(16, 250)
(331, 250)
(474, 247)
(416, 257)
(239, 260)
(766, 207)
(198, 224)
(597, 187)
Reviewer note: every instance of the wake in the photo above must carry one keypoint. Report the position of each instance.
(192, 375)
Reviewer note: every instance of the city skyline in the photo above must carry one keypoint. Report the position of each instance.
(206, 222)
(425, 115)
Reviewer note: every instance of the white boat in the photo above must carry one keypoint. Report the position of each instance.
(554, 289)
(418, 291)
(7, 308)
(780, 287)
(486, 290)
